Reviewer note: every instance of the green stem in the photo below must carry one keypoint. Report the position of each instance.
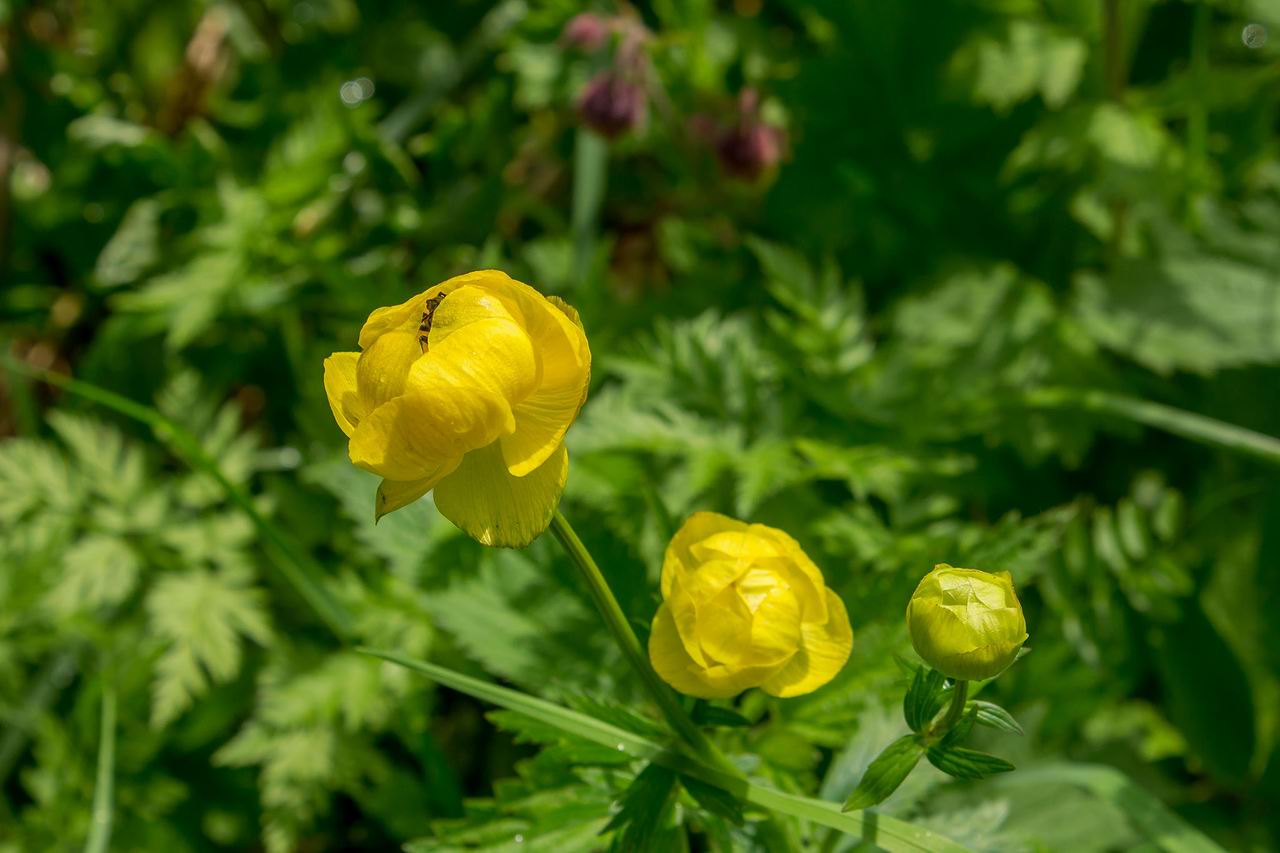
(296, 569)
(1159, 416)
(99, 840)
(618, 625)
(959, 695)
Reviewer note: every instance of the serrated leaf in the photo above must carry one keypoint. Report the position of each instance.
(97, 571)
(923, 699)
(203, 617)
(714, 799)
(992, 715)
(965, 763)
(642, 806)
(886, 773)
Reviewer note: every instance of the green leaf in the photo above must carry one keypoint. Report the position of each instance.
(924, 698)
(1153, 818)
(717, 716)
(890, 834)
(98, 572)
(886, 773)
(203, 617)
(714, 799)
(643, 804)
(967, 763)
(992, 715)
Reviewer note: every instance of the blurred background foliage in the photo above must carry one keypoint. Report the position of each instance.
(895, 277)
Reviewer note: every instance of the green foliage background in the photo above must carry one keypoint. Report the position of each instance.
(928, 336)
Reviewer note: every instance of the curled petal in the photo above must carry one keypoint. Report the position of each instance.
(408, 314)
(340, 388)
(426, 430)
(679, 558)
(394, 494)
(384, 367)
(674, 665)
(824, 649)
(495, 508)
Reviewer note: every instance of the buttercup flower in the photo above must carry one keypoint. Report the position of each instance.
(965, 623)
(466, 389)
(745, 607)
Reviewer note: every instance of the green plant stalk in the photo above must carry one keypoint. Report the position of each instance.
(294, 567)
(1159, 416)
(99, 840)
(616, 621)
(959, 695)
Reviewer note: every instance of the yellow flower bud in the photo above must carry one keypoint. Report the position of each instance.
(745, 607)
(466, 389)
(966, 623)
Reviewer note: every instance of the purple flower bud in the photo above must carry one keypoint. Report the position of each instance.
(587, 32)
(613, 103)
(750, 146)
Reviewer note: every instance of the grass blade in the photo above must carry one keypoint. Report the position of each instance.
(99, 840)
(890, 834)
(1172, 420)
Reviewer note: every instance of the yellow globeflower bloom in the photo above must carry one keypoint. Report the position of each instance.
(466, 389)
(745, 607)
(965, 623)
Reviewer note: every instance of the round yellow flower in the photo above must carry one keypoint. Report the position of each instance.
(965, 623)
(745, 607)
(466, 389)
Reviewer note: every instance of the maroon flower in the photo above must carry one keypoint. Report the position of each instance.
(586, 31)
(750, 146)
(613, 103)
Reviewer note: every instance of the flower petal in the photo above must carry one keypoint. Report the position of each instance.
(408, 314)
(495, 508)
(824, 649)
(492, 354)
(384, 367)
(340, 387)
(427, 429)
(565, 364)
(696, 527)
(394, 494)
(674, 665)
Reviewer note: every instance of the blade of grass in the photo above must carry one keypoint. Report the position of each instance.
(890, 834)
(1172, 420)
(590, 172)
(99, 840)
(298, 571)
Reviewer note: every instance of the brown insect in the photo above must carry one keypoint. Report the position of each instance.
(424, 328)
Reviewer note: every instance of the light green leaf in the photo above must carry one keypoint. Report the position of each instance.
(886, 773)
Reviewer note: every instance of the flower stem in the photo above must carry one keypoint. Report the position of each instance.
(959, 695)
(616, 621)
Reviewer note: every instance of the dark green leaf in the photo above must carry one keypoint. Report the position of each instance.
(967, 763)
(716, 716)
(924, 698)
(642, 807)
(714, 799)
(991, 714)
(886, 773)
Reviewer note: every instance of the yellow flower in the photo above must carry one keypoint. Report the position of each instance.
(745, 607)
(965, 623)
(467, 389)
